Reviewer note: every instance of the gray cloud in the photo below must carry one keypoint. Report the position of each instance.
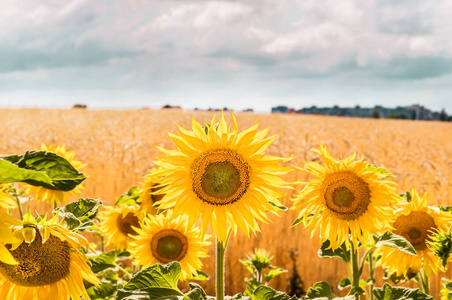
(257, 50)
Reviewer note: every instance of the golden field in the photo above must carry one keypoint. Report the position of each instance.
(118, 146)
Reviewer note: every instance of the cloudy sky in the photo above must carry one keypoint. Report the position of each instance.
(237, 54)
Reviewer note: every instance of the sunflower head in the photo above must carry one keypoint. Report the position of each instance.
(119, 223)
(164, 238)
(150, 193)
(50, 261)
(221, 176)
(260, 259)
(346, 197)
(418, 223)
(53, 196)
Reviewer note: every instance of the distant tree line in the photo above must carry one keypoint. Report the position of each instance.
(413, 112)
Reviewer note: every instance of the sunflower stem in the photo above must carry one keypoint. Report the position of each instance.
(372, 275)
(424, 281)
(219, 270)
(19, 205)
(102, 245)
(219, 287)
(355, 266)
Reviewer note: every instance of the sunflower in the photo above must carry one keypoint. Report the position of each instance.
(54, 196)
(148, 197)
(6, 237)
(417, 222)
(51, 264)
(117, 224)
(163, 238)
(221, 176)
(346, 196)
(446, 291)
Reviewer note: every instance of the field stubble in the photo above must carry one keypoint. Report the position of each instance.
(118, 146)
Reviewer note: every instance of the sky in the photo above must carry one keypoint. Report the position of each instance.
(237, 54)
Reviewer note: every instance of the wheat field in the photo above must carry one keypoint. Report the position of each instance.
(118, 146)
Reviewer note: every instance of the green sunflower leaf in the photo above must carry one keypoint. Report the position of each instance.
(389, 239)
(162, 276)
(154, 293)
(322, 290)
(196, 292)
(341, 252)
(344, 283)
(199, 276)
(273, 273)
(445, 208)
(396, 279)
(80, 214)
(251, 285)
(379, 170)
(40, 168)
(105, 291)
(267, 293)
(130, 197)
(155, 282)
(388, 292)
(103, 261)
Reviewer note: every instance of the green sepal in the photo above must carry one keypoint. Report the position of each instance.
(199, 276)
(267, 293)
(105, 291)
(277, 205)
(382, 172)
(390, 239)
(80, 215)
(388, 292)
(273, 273)
(301, 220)
(130, 197)
(445, 208)
(103, 261)
(40, 168)
(341, 252)
(406, 196)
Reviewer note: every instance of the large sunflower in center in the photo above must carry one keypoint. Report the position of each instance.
(417, 222)
(346, 198)
(221, 176)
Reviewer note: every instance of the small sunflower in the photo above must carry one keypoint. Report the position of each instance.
(417, 222)
(117, 224)
(54, 196)
(345, 197)
(51, 264)
(148, 194)
(163, 239)
(6, 220)
(446, 291)
(221, 176)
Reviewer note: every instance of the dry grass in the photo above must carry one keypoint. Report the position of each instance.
(119, 149)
